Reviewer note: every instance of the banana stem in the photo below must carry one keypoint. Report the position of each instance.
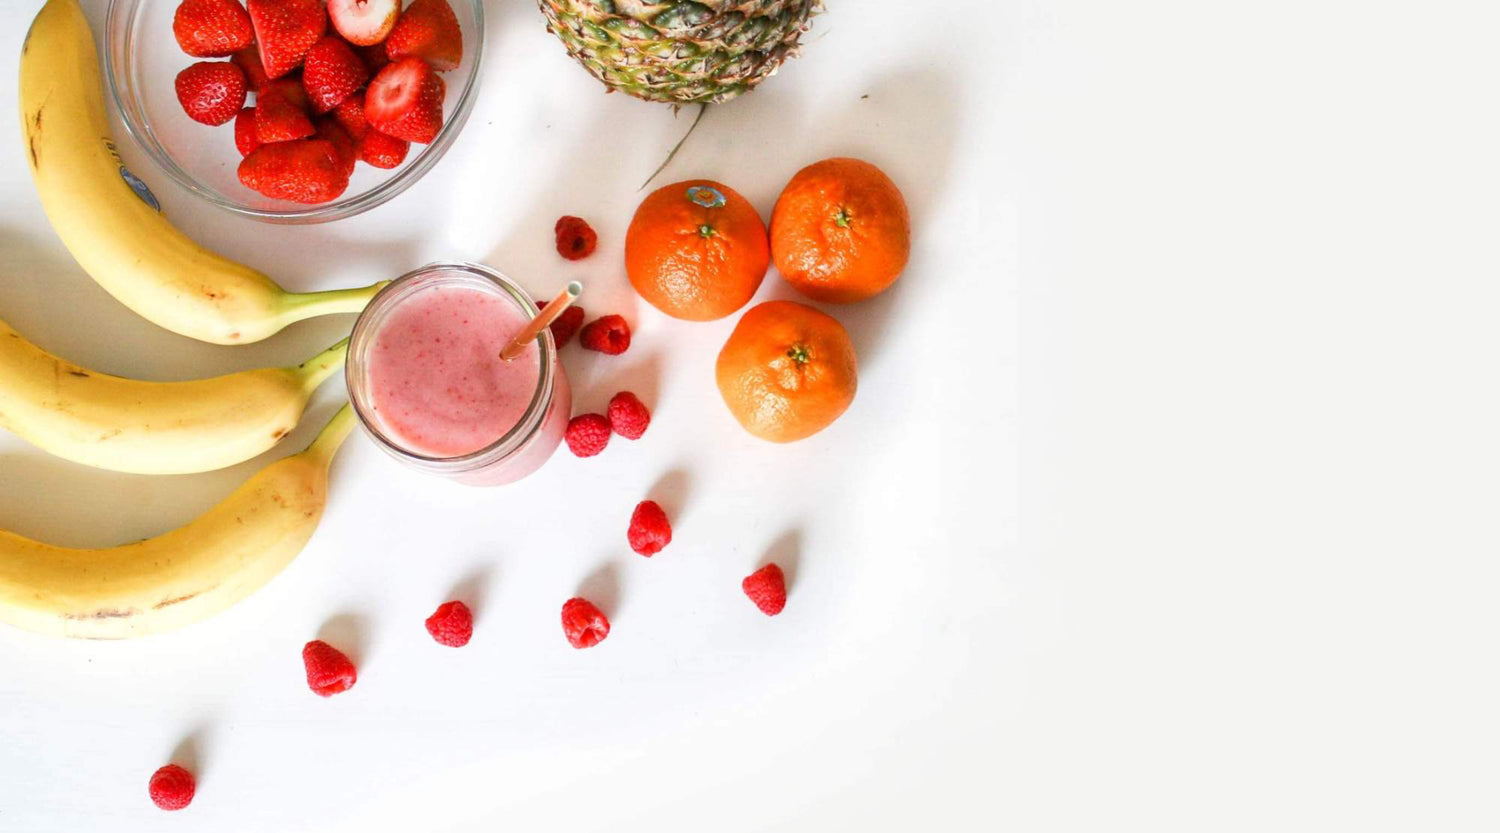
(318, 368)
(299, 305)
(327, 443)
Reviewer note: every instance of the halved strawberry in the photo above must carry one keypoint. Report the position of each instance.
(248, 59)
(331, 72)
(245, 140)
(348, 152)
(285, 30)
(427, 29)
(406, 101)
(364, 22)
(211, 92)
(382, 151)
(351, 115)
(211, 28)
(305, 171)
(281, 112)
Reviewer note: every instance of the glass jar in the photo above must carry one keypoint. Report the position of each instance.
(519, 449)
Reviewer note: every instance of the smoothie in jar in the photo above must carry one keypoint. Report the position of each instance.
(428, 383)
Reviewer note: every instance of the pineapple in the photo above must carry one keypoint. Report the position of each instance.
(680, 51)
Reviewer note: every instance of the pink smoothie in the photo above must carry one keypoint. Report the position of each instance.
(437, 383)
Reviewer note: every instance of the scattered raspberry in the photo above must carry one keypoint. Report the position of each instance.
(452, 624)
(328, 670)
(767, 588)
(587, 434)
(172, 787)
(566, 324)
(575, 238)
(609, 335)
(583, 624)
(628, 415)
(649, 528)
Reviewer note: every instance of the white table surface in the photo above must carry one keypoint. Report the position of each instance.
(1166, 502)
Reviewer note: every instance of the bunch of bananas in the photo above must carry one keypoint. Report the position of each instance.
(127, 246)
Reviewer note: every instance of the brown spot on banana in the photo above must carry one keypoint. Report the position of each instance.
(178, 599)
(278, 433)
(79, 373)
(104, 613)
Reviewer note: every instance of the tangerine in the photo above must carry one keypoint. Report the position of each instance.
(840, 231)
(696, 250)
(787, 371)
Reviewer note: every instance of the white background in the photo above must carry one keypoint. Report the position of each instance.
(1167, 501)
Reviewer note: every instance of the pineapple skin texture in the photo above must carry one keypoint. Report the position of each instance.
(680, 51)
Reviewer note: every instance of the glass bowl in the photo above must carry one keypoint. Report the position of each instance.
(141, 63)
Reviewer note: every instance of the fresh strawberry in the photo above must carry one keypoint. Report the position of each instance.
(331, 72)
(211, 28)
(305, 171)
(374, 56)
(351, 115)
(281, 112)
(211, 92)
(406, 101)
(427, 29)
(346, 148)
(285, 30)
(248, 59)
(245, 140)
(364, 22)
(382, 151)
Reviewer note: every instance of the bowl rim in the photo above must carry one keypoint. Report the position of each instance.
(119, 25)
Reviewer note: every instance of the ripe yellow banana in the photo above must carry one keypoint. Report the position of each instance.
(151, 427)
(183, 576)
(116, 232)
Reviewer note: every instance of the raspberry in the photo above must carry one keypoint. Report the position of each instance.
(649, 529)
(583, 624)
(767, 588)
(172, 787)
(452, 624)
(628, 415)
(566, 324)
(328, 670)
(575, 238)
(609, 335)
(587, 434)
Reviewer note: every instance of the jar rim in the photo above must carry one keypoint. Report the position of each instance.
(474, 275)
